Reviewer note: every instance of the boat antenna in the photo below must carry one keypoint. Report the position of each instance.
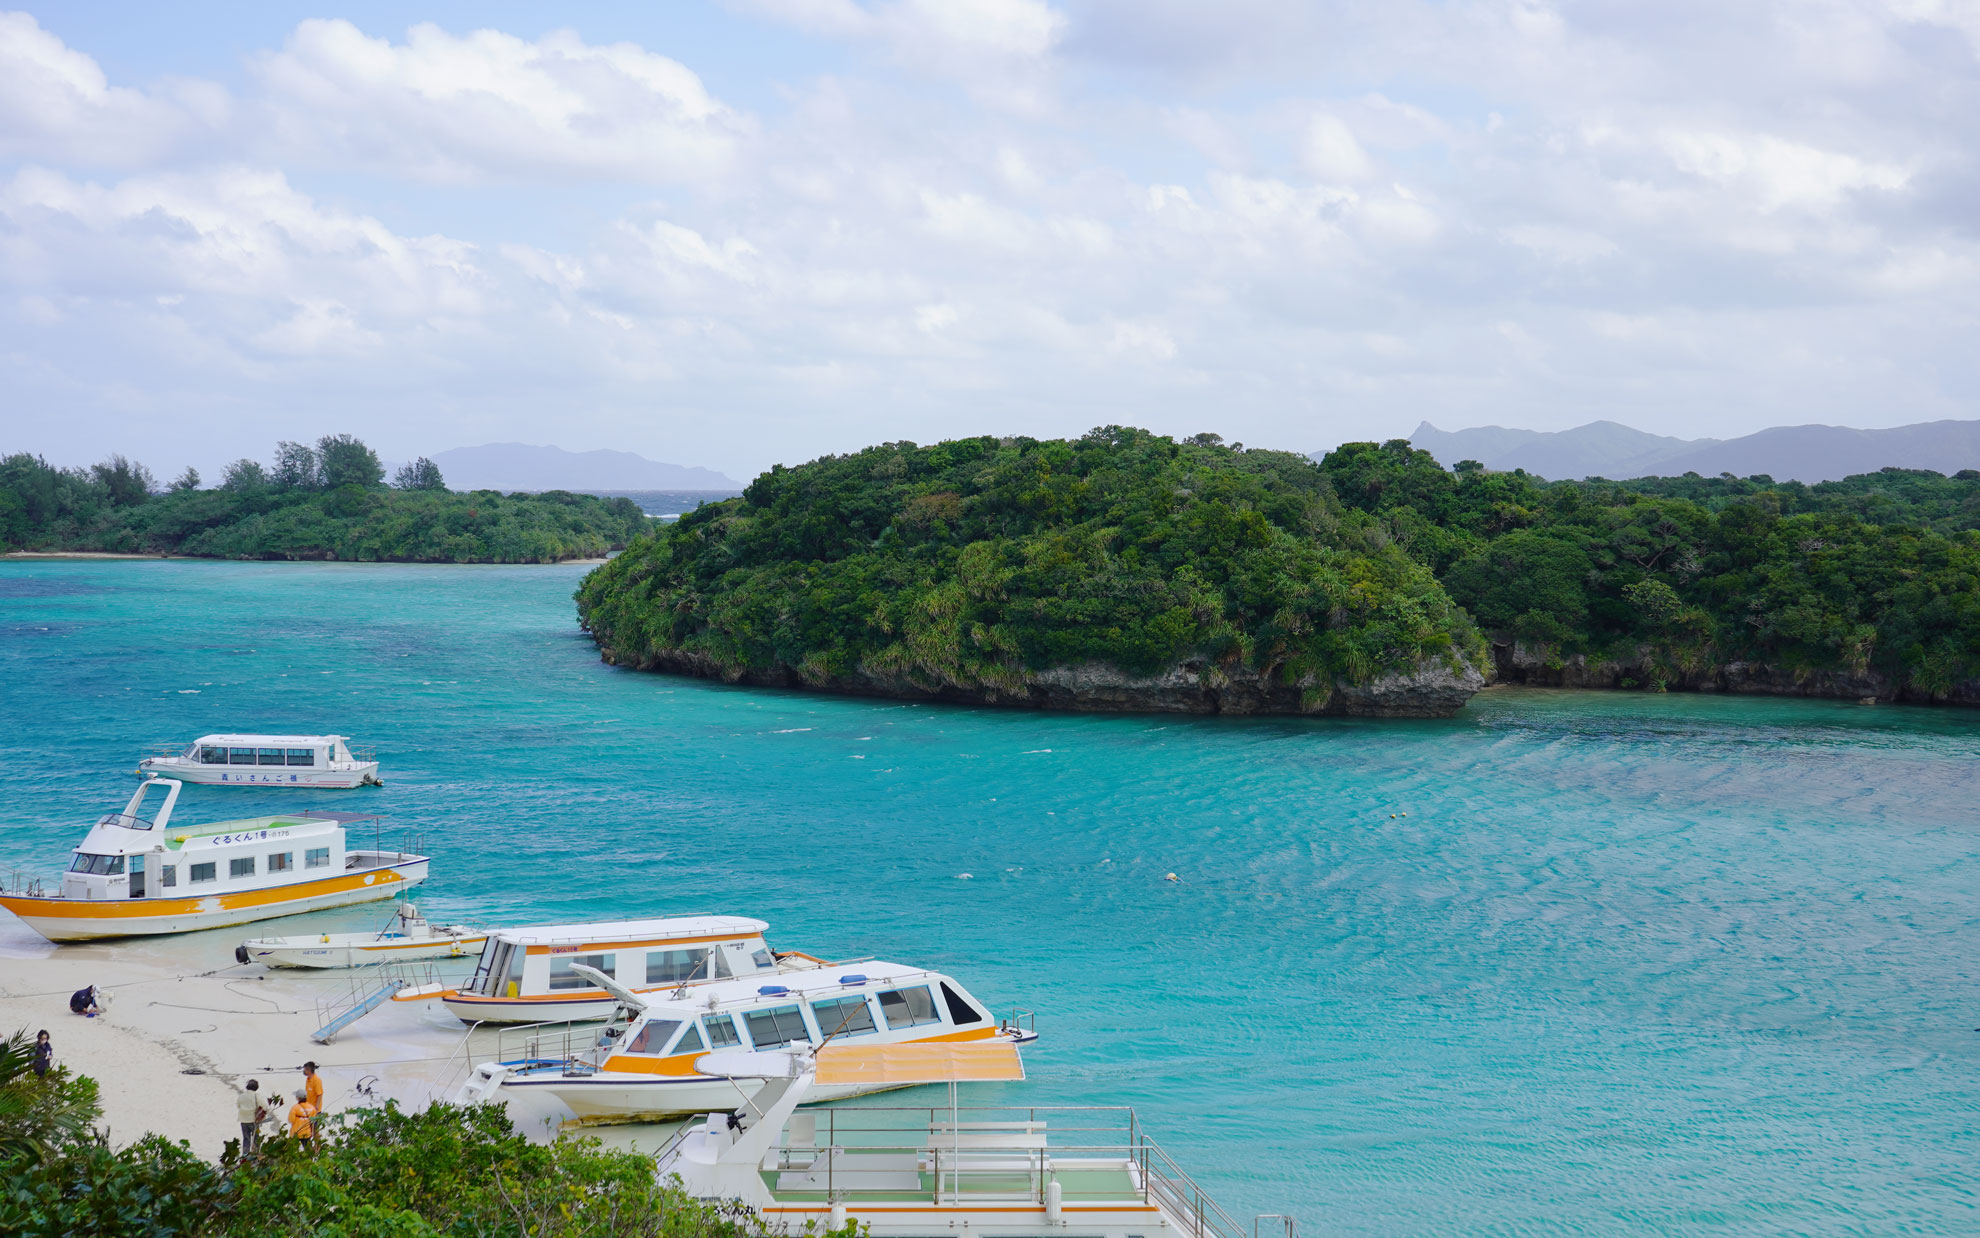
(688, 979)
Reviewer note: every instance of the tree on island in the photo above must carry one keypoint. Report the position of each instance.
(421, 474)
(344, 460)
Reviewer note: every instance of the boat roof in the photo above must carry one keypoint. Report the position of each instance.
(272, 740)
(811, 982)
(242, 825)
(632, 930)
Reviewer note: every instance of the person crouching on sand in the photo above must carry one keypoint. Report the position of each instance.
(302, 1122)
(249, 1109)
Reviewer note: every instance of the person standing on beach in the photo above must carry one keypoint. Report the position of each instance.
(302, 1123)
(248, 1108)
(313, 1084)
(44, 1054)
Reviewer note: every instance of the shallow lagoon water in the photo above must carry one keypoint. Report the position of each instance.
(1566, 963)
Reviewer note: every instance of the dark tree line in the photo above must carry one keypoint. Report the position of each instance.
(326, 501)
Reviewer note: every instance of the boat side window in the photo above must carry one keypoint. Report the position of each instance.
(674, 966)
(779, 1025)
(846, 1016)
(209, 755)
(271, 756)
(243, 867)
(241, 756)
(653, 1036)
(97, 865)
(168, 875)
(721, 1031)
(562, 977)
(961, 1013)
(201, 872)
(302, 756)
(512, 982)
(316, 857)
(281, 861)
(762, 960)
(908, 1008)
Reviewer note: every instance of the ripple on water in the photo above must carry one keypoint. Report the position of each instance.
(1569, 963)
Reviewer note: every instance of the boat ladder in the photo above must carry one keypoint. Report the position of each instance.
(367, 991)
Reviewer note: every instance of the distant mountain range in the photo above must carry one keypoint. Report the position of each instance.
(520, 466)
(1785, 453)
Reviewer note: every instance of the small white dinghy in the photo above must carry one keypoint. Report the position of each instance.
(406, 936)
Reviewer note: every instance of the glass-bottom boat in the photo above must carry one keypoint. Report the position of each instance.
(641, 1064)
(136, 876)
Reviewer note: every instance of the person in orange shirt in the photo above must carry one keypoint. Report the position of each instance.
(302, 1120)
(313, 1084)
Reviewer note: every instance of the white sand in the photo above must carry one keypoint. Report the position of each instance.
(240, 1023)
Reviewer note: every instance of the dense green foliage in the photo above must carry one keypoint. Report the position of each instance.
(966, 564)
(382, 1173)
(322, 502)
(1877, 573)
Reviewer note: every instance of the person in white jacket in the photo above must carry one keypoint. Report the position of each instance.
(252, 1113)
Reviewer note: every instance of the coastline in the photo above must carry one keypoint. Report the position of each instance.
(106, 554)
(184, 1031)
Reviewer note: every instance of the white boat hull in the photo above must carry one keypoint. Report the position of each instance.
(305, 952)
(473, 1008)
(627, 1098)
(343, 776)
(65, 919)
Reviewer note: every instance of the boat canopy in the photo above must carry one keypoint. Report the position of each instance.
(663, 929)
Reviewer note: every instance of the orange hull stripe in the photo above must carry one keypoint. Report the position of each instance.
(147, 908)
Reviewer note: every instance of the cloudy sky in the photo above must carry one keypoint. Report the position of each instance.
(741, 233)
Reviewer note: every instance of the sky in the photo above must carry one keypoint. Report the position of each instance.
(755, 232)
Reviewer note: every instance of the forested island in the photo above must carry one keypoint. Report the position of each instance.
(1124, 570)
(326, 501)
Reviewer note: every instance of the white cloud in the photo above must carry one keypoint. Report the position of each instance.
(1331, 153)
(56, 103)
(489, 104)
(999, 49)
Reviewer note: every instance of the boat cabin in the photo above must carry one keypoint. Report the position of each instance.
(129, 855)
(875, 1002)
(269, 759)
(640, 954)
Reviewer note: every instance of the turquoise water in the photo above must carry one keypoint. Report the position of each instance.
(1568, 963)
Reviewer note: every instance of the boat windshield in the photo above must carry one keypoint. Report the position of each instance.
(98, 865)
(125, 820)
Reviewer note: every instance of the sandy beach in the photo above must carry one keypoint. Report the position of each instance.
(187, 1027)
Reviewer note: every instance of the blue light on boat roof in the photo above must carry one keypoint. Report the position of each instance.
(772, 990)
(854, 978)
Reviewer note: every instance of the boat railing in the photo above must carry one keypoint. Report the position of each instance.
(1025, 1021)
(1284, 1227)
(24, 886)
(983, 1154)
(557, 1042)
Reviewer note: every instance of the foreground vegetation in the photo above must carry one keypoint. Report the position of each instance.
(973, 565)
(382, 1173)
(328, 501)
(1867, 584)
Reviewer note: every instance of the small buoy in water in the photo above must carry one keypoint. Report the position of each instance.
(964, 876)
(1172, 877)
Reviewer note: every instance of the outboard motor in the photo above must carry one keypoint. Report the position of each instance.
(240, 954)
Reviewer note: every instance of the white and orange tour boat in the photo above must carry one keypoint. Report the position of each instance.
(642, 1063)
(527, 975)
(137, 876)
(316, 761)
